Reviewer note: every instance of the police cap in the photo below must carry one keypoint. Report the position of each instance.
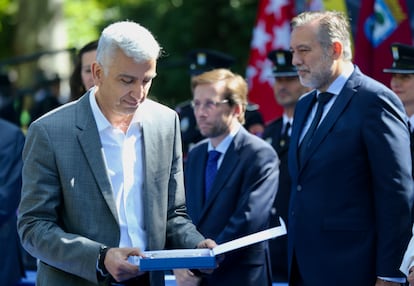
(403, 59)
(282, 63)
(202, 60)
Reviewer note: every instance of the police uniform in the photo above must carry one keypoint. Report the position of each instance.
(277, 133)
(403, 63)
(252, 116)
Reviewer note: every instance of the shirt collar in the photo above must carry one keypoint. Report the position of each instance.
(286, 119)
(224, 145)
(101, 121)
(337, 85)
(411, 119)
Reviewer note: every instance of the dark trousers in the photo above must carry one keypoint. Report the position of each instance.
(142, 280)
(295, 277)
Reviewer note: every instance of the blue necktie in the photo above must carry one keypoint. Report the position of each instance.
(211, 170)
(322, 99)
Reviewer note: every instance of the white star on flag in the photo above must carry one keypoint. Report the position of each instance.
(275, 7)
(272, 31)
(261, 38)
(281, 39)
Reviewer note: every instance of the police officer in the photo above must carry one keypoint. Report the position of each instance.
(287, 90)
(402, 76)
(402, 81)
(254, 122)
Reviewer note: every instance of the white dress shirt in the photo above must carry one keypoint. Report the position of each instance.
(124, 164)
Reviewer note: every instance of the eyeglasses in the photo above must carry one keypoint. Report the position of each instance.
(209, 104)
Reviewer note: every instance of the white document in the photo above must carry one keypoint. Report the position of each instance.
(251, 239)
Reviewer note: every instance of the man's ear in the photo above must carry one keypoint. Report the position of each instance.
(337, 49)
(97, 72)
(238, 110)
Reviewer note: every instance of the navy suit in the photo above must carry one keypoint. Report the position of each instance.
(412, 150)
(11, 146)
(349, 217)
(278, 246)
(239, 204)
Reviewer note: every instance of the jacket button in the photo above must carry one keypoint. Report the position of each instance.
(299, 188)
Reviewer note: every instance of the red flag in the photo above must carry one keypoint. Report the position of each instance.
(272, 31)
(381, 23)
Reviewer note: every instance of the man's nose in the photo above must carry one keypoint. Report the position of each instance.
(296, 59)
(137, 90)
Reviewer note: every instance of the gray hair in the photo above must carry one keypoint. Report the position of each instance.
(333, 26)
(133, 39)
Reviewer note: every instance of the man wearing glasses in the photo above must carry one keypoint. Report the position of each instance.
(231, 179)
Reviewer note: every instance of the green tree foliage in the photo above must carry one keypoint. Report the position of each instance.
(182, 25)
(83, 20)
(8, 10)
(179, 26)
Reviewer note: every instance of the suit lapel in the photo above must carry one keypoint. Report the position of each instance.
(149, 147)
(90, 143)
(331, 117)
(195, 182)
(198, 184)
(299, 121)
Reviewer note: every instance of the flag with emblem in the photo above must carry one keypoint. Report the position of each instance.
(271, 32)
(380, 23)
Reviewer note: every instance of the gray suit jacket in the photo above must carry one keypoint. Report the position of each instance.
(67, 209)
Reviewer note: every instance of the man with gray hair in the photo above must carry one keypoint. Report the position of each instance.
(102, 176)
(350, 165)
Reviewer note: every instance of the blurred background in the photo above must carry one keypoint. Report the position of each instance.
(39, 39)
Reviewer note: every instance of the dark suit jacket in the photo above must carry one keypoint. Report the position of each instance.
(239, 204)
(68, 210)
(349, 218)
(412, 151)
(11, 146)
(278, 246)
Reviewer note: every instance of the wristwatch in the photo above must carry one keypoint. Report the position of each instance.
(101, 271)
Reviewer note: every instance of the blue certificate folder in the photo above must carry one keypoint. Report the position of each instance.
(201, 258)
(178, 258)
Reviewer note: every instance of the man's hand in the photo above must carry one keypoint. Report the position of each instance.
(116, 262)
(207, 243)
(381, 282)
(410, 277)
(184, 277)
